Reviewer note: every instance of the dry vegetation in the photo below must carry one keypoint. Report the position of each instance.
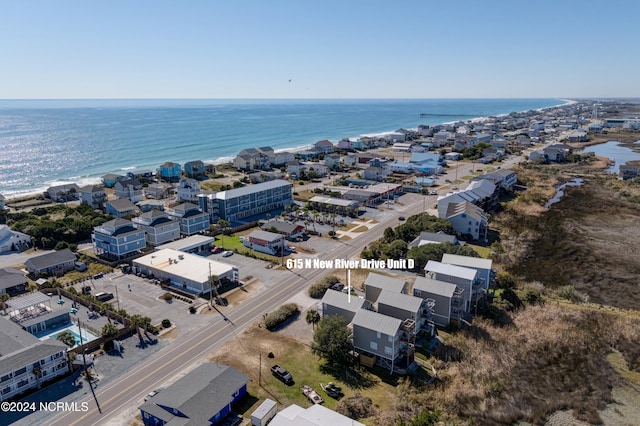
(552, 357)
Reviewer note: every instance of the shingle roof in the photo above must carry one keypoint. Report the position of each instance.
(376, 322)
(470, 262)
(343, 301)
(121, 204)
(387, 283)
(400, 300)
(429, 285)
(451, 270)
(200, 395)
(10, 277)
(51, 259)
(265, 235)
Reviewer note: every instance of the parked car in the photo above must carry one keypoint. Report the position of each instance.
(282, 374)
(86, 290)
(152, 394)
(337, 287)
(401, 218)
(447, 181)
(227, 253)
(216, 249)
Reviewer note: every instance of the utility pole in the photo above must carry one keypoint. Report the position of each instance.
(260, 371)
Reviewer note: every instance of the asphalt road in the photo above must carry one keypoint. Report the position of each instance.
(128, 391)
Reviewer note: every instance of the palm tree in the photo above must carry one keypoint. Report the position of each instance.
(109, 331)
(3, 299)
(224, 225)
(136, 321)
(37, 371)
(313, 317)
(67, 338)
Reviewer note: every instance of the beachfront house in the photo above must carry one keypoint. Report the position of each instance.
(202, 397)
(170, 171)
(52, 263)
(194, 169)
(256, 158)
(94, 196)
(117, 239)
(110, 179)
(130, 189)
(191, 219)
(121, 207)
(159, 228)
(63, 193)
(323, 146)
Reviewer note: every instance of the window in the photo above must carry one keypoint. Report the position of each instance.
(19, 372)
(373, 345)
(6, 390)
(388, 350)
(23, 382)
(378, 335)
(5, 377)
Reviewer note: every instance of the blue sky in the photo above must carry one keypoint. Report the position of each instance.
(328, 49)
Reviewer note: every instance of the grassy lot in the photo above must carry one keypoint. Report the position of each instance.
(92, 269)
(233, 243)
(484, 252)
(243, 353)
(360, 228)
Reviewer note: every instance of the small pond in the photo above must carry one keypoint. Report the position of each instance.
(560, 191)
(615, 151)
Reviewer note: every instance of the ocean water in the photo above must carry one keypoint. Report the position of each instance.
(47, 142)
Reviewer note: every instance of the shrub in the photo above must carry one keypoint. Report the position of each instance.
(356, 407)
(167, 296)
(192, 310)
(280, 315)
(319, 288)
(271, 355)
(166, 323)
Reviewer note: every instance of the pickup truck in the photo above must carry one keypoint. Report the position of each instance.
(282, 374)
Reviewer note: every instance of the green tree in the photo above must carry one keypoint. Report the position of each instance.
(67, 338)
(109, 331)
(331, 341)
(224, 225)
(313, 317)
(396, 250)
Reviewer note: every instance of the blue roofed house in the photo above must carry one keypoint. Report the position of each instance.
(170, 171)
(117, 239)
(194, 169)
(110, 179)
(191, 219)
(158, 226)
(202, 397)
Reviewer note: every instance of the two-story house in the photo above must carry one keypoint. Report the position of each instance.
(121, 207)
(130, 189)
(378, 335)
(170, 171)
(194, 169)
(464, 278)
(375, 283)
(191, 219)
(94, 196)
(188, 190)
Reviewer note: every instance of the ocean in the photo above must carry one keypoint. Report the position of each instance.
(48, 142)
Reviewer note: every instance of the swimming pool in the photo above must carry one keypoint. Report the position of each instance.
(87, 336)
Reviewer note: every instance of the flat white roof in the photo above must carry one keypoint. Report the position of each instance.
(189, 266)
(451, 270)
(471, 262)
(251, 189)
(187, 243)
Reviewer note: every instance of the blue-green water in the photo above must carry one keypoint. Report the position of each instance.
(45, 142)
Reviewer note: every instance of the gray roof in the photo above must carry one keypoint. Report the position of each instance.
(122, 204)
(200, 394)
(51, 259)
(432, 237)
(281, 226)
(19, 348)
(376, 322)
(428, 285)
(251, 189)
(342, 300)
(10, 277)
(333, 201)
(467, 261)
(28, 300)
(400, 300)
(266, 236)
(451, 270)
(383, 282)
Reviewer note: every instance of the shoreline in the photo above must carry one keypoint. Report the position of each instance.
(96, 180)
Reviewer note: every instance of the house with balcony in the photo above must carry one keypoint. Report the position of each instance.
(143, 175)
(445, 300)
(256, 158)
(405, 307)
(121, 207)
(159, 228)
(63, 193)
(27, 363)
(342, 304)
(502, 178)
(131, 189)
(170, 172)
(53, 263)
(375, 283)
(468, 219)
(188, 190)
(110, 179)
(381, 337)
(464, 278)
(157, 191)
(94, 196)
(117, 239)
(324, 146)
(194, 169)
(191, 219)
(486, 273)
(13, 240)
(332, 161)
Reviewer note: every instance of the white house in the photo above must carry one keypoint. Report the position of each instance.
(188, 190)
